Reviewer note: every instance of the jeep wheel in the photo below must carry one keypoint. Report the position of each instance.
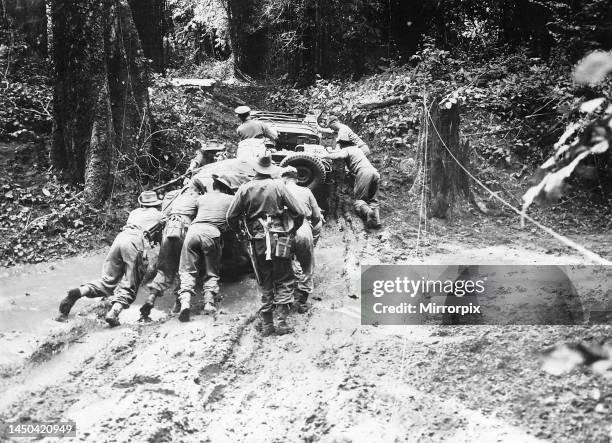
(311, 172)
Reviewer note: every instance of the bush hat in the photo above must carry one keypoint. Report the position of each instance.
(149, 198)
(290, 172)
(264, 165)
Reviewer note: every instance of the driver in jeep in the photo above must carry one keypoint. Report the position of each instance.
(252, 135)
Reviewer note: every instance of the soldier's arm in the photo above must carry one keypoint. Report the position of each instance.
(316, 210)
(269, 131)
(235, 211)
(357, 141)
(154, 233)
(324, 130)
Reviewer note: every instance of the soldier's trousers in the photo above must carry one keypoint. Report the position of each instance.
(200, 256)
(168, 260)
(123, 269)
(366, 187)
(276, 277)
(303, 263)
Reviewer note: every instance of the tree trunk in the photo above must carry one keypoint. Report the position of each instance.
(248, 40)
(150, 20)
(393, 101)
(448, 180)
(98, 156)
(128, 83)
(100, 97)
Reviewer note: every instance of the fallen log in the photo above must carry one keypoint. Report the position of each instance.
(389, 102)
(206, 83)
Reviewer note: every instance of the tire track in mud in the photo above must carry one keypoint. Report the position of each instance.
(232, 380)
(120, 366)
(297, 379)
(217, 380)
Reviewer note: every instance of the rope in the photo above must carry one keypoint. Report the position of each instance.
(566, 241)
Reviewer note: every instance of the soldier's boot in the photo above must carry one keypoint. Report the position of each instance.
(209, 303)
(185, 312)
(68, 302)
(177, 305)
(373, 218)
(112, 316)
(265, 325)
(362, 209)
(301, 299)
(282, 327)
(145, 309)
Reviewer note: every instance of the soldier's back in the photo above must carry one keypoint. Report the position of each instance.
(251, 129)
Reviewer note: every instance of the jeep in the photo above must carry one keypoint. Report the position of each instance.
(301, 144)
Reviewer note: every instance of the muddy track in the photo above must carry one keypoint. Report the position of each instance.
(215, 379)
(84, 368)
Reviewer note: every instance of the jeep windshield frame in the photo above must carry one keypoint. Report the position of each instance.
(294, 128)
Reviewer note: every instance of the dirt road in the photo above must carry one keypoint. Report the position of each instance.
(215, 379)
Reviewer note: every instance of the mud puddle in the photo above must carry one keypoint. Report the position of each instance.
(30, 295)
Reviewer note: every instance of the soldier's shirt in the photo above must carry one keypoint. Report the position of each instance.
(346, 135)
(306, 198)
(144, 218)
(184, 204)
(212, 209)
(260, 197)
(256, 129)
(355, 159)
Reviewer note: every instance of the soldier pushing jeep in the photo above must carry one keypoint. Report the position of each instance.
(345, 136)
(201, 252)
(306, 238)
(125, 264)
(179, 213)
(261, 204)
(365, 189)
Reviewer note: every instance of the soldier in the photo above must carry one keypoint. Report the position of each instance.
(261, 204)
(305, 238)
(201, 253)
(366, 183)
(125, 264)
(345, 136)
(206, 155)
(178, 215)
(252, 133)
(250, 128)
